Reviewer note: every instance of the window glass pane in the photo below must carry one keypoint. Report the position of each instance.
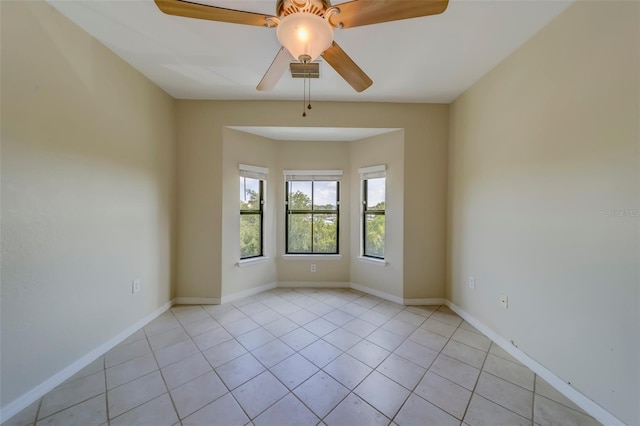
(300, 195)
(250, 235)
(325, 233)
(299, 233)
(376, 193)
(374, 238)
(325, 195)
(249, 193)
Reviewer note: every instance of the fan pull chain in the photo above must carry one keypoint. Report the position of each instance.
(304, 97)
(309, 77)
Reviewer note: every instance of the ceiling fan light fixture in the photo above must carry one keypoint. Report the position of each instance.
(305, 35)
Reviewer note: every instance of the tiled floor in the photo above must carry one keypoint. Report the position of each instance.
(305, 357)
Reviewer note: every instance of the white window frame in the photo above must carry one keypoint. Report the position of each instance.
(260, 173)
(366, 173)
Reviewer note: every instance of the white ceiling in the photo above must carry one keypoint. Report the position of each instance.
(429, 59)
(325, 134)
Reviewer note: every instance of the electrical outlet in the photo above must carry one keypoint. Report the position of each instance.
(504, 302)
(135, 286)
(472, 283)
(313, 267)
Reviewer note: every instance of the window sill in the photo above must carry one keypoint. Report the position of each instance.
(373, 260)
(251, 261)
(312, 256)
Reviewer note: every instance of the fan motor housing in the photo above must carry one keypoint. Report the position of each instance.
(287, 7)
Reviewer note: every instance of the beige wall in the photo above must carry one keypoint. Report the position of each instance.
(543, 149)
(87, 172)
(244, 148)
(200, 195)
(387, 149)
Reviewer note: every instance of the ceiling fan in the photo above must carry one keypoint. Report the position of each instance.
(305, 28)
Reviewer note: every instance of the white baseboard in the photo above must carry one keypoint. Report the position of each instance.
(313, 284)
(196, 301)
(28, 398)
(424, 302)
(377, 293)
(576, 397)
(248, 292)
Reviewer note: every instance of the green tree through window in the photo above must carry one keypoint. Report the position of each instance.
(373, 216)
(312, 217)
(251, 212)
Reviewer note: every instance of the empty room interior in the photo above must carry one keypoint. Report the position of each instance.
(447, 233)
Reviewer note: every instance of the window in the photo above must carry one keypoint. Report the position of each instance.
(312, 211)
(373, 210)
(252, 182)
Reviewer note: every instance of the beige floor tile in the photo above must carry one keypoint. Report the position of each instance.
(194, 395)
(320, 327)
(125, 353)
(506, 394)
(224, 352)
(429, 339)
(338, 317)
(135, 393)
(545, 389)
(130, 370)
(382, 393)
(499, 352)
(467, 354)
(398, 327)
(354, 411)
(423, 311)
(354, 309)
(186, 370)
(168, 338)
(472, 339)
(24, 417)
(175, 353)
(272, 353)
(302, 317)
(482, 412)
(389, 309)
(347, 370)
(468, 327)
(374, 317)
(342, 339)
(320, 308)
(252, 308)
(456, 371)
(236, 372)
(92, 412)
(359, 327)
(514, 373)
(138, 335)
(444, 394)
(93, 367)
(439, 327)
(157, 412)
(320, 353)
(549, 413)
(321, 393)
(402, 371)
(417, 411)
(228, 316)
(259, 393)
(201, 326)
(367, 301)
(369, 353)
(281, 327)
(299, 338)
(241, 326)
(211, 338)
(266, 317)
(72, 393)
(255, 338)
(410, 317)
(164, 322)
(289, 411)
(385, 339)
(416, 353)
(188, 314)
(224, 411)
(294, 370)
(446, 317)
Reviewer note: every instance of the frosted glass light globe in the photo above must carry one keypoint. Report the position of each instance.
(304, 33)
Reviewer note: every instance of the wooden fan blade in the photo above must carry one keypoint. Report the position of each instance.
(364, 12)
(211, 13)
(276, 69)
(344, 65)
